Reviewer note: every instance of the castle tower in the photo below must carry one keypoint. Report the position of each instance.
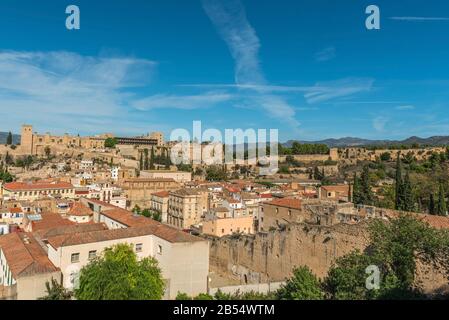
(159, 136)
(333, 154)
(26, 139)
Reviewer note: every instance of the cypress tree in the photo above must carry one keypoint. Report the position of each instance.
(432, 204)
(398, 190)
(146, 163)
(441, 206)
(356, 190)
(9, 138)
(408, 204)
(167, 159)
(367, 197)
(152, 159)
(141, 161)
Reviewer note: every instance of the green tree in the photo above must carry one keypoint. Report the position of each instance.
(152, 159)
(366, 194)
(141, 162)
(215, 173)
(441, 205)
(394, 248)
(386, 156)
(56, 291)
(110, 142)
(118, 275)
(407, 194)
(303, 285)
(356, 192)
(432, 209)
(183, 296)
(146, 163)
(398, 190)
(203, 296)
(346, 278)
(137, 209)
(9, 139)
(284, 169)
(47, 151)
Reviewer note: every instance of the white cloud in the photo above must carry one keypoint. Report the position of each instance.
(64, 85)
(328, 90)
(420, 19)
(405, 107)
(379, 123)
(186, 102)
(326, 54)
(229, 18)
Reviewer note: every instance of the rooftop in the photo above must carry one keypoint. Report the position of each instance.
(286, 202)
(24, 254)
(80, 210)
(25, 186)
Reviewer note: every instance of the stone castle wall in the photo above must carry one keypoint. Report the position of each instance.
(268, 257)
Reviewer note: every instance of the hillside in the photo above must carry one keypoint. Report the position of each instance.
(355, 142)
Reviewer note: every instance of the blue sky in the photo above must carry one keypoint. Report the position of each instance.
(308, 68)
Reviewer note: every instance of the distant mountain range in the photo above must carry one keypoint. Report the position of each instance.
(341, 142)
(4, 136)
(356, 142)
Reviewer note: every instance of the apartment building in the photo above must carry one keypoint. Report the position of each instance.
(186, 207)
(220, 227)
(159, 203)
(30, 191)
(335, 192)
(29, 260)
(178, 176)
(139, 190)
(278, 212)
(24, 267)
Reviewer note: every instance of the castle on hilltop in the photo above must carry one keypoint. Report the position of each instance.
(36, 144)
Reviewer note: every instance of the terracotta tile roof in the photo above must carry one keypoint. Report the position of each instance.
(77, 228)
(23, 186)
(150, 180)
(24, 255)
(128, 218)
(164, 232)
(50, 220)
(160, 230)
(337, 188)
(80, 210)
(185, 192)
(438, 222)
(286, 202)
(161, 194)
(15, 210)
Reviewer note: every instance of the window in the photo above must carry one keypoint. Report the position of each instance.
(92, 254)
(75, 257)
(139, 247)
(159, 249)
